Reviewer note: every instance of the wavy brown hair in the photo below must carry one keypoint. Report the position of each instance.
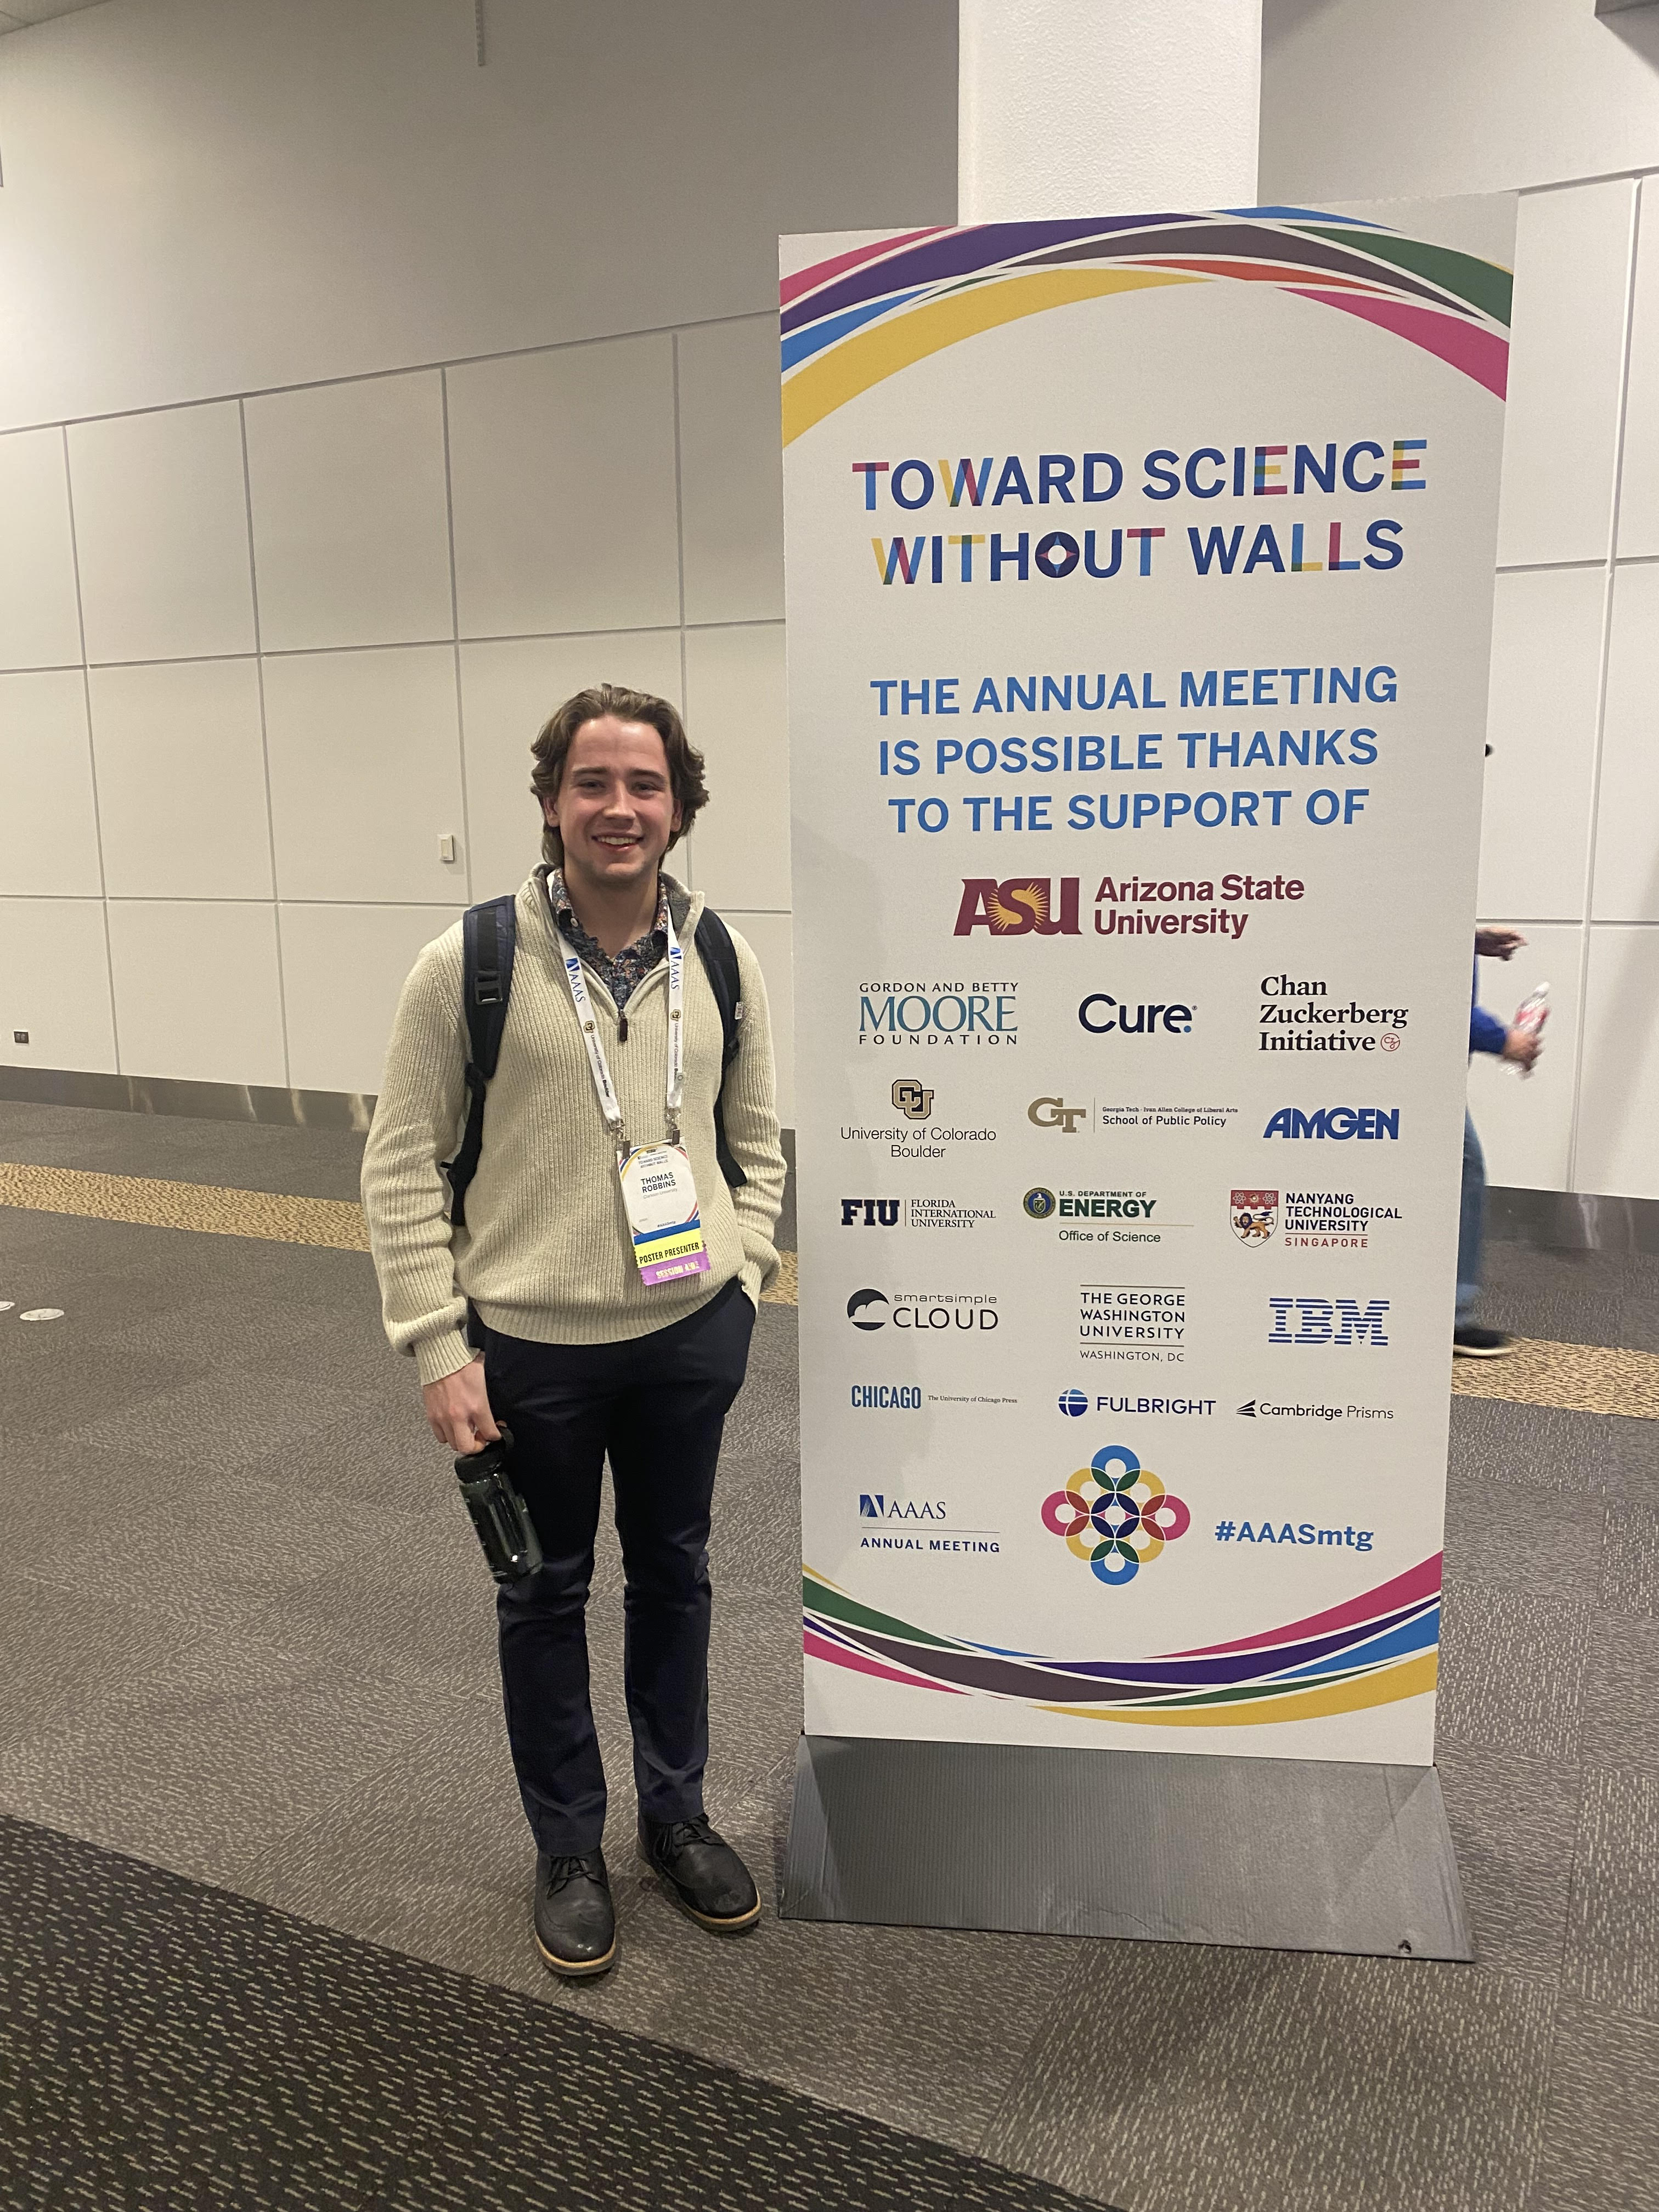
(554, 740)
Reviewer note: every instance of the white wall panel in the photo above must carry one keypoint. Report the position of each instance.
(342, 969)
(507, 691)
(1627, 885)
(1572, 279)
(561, 468)
(181, 780)
(54, 983)
(770, 937)
(205, 197)
(736, 716)
(161, 520)
(1540, 724)
(1526, 1122)
(1638, 498)
(197, 992)
(732, 471)
(48, 820)
(1619, 1090)
(366, 775)
(39, 618)
(350, 514)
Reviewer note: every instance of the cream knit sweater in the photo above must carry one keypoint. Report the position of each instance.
(545, 1251)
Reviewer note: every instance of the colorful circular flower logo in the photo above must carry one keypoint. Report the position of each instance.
(1116, 1514)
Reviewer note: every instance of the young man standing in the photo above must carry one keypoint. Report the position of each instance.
(540, 1311)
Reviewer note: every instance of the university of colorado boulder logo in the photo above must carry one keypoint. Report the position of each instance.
(1254, 1215)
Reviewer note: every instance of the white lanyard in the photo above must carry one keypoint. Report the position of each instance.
(609, 1105)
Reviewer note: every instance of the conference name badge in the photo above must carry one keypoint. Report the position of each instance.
(661, 1199)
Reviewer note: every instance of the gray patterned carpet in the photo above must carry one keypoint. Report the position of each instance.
(248, 1640)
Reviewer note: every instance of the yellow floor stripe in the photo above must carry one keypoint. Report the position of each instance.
(209, 1207)
(1582, 1378)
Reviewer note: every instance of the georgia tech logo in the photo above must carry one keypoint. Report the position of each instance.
(1024, 906)
(913, 1100)
(1055, 1114)
(1100, 1014)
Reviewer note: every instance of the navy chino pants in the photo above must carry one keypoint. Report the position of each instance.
(656, 1406)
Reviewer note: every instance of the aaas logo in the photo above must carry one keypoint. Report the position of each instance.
(1254, 1215)
(1116, 1515)
(1024, 906)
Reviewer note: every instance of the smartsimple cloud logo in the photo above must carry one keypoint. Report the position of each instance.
(1116, 1515)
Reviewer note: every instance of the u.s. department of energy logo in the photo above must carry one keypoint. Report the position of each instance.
(1039, 1203)
(1116, 1515)
(1254, 1215)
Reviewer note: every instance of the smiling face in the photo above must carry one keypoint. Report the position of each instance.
(615, 807)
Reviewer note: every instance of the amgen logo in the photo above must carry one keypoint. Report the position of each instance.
(1338, 1122)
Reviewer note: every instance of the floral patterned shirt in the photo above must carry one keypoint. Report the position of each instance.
(623, 973)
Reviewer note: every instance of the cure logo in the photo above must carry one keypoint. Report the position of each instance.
(1116, 1514)
(1025, 906)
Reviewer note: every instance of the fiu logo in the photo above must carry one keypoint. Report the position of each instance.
(1025, 906)
(913, 1100)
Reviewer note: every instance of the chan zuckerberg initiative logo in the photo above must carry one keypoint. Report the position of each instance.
(1116, 1514)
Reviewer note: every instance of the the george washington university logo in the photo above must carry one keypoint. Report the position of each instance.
(1024, 906)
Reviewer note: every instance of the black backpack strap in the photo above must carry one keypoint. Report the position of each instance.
(720, 960)
(489, 934)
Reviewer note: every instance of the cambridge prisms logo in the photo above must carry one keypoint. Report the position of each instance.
(1116, 1515)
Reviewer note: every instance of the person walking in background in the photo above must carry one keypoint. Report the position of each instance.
(597, 1289)
(1470, 1340)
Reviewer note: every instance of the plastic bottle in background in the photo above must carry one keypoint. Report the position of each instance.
(1532, 1013)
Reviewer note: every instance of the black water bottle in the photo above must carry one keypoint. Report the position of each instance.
(499, 1513)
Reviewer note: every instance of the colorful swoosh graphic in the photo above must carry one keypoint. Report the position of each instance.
(851, 322)
(1372, 1650)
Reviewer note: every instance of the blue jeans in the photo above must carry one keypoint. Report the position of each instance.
(1471, 1223)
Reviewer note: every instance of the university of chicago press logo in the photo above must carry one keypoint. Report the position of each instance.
(1116, 1515)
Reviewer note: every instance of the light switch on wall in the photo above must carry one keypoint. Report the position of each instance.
(447, 847)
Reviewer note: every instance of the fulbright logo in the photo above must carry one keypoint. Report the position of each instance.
(1075, 1403)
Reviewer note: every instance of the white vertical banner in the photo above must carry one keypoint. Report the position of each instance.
(1139, 584)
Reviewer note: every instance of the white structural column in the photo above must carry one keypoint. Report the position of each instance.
(1069, 107)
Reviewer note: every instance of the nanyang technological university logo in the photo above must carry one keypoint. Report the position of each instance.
(1116, 1514)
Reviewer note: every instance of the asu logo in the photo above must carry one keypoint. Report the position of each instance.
(1254, 1215)
(1024, 906)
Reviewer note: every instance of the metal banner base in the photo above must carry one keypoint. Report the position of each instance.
(1278, 1854)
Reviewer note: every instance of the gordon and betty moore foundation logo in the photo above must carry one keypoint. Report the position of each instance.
(939, 1014)
(1116, 1515)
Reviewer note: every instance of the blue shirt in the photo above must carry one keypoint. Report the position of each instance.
(1487, 1032)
